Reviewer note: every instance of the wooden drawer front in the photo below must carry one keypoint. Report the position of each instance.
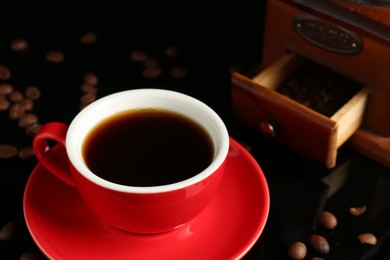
(370, 67)
(316, 136)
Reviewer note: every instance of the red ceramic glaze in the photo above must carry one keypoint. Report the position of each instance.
(65, 228)
(144, 210)
(148, 213)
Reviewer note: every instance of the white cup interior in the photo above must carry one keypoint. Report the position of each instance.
(146, 98)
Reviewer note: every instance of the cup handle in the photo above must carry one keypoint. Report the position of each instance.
(53, 158)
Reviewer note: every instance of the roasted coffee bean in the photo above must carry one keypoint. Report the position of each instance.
(88, 38)
(319, 244)
(152, 73)
(27, 119)
(6, 88)
(172, 51)
(32, 92)
(9, 231)
(5, 73)
(19, 45)
(30, 255)
(91, 79)
(88, 88)
(82, 106)
(4, 103)
(55, 57)
(178, 73)
(32, 129)
(27, 103)
(26, 152)
(368, 238)
(319, 88)
(297, 251)
(316, 258)
(16, 111)
(327, 220)
(138, 56)
(8, 151)
(87, 99)
(357, 211)
(15, 96)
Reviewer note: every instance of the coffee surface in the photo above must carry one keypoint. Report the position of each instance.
(147, 147)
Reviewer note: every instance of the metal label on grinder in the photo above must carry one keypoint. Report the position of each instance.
(327, 36)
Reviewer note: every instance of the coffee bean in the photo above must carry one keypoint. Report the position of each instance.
(91, 79)
(319, 88)
(6, 88)
(55, 57)
(138, 56)
(178, 73)
(327, 220)
(82, 106)
(4, 103)
(297, 251)
(16, 111)
(26, 152)
(316, 258)
(30, 255)
(27, 103)
(32, 129)
(8, 151)
(87, 99)
(15, 96)
(27, 119)
(32, 92)
(357, 211)
(368, 238)
(9, 231)
(5, 73)
(88, 88)
(152, 73)
(19, 45)
(319, 244)
(88, 38)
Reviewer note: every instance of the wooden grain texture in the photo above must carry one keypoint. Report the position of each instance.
(256, 100)
(375, 146)
(370, 67)
(376, 13)
(297, 127)
(350, 116)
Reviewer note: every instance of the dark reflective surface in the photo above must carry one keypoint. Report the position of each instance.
(210, 47)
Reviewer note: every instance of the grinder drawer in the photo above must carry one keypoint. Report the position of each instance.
(263, 103)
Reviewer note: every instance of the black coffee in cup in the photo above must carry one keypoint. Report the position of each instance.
(147, 147)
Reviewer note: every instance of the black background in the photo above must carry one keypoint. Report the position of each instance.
(212, 37)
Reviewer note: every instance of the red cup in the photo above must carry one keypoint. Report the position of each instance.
(146, 210)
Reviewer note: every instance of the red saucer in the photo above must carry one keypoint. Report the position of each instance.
(64, 228)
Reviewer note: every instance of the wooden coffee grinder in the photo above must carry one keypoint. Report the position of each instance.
(349, 38)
